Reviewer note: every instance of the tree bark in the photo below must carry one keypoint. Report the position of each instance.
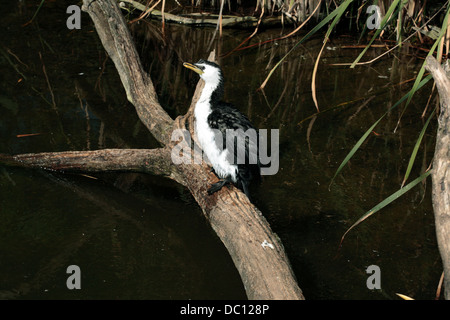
(256, 251)
(152, 161)
(441, 169)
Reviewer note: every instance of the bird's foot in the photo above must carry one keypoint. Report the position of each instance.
(218, 185)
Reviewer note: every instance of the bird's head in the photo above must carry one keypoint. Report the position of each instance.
(209, 71)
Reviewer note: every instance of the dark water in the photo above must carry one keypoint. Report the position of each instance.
(142, 237)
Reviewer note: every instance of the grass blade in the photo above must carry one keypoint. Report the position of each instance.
(387, 201)
(306, 37)
(416, 149)
(355, 148)
(339, 12)
(35, 14)
(313, 80)
(422, 68)
(404, 297)
(383, 24)
(366, 134)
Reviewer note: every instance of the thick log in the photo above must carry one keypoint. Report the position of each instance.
(441, 169)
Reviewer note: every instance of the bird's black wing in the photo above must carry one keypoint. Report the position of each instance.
(226, 116)
(234, 128)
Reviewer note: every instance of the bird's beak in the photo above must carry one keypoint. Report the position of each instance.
(193, 67)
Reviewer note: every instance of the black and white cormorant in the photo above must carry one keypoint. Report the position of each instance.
(213, 115)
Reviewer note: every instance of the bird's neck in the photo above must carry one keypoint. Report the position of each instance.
(212, 93)
(203, 107)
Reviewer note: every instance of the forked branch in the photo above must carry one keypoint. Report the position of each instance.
(256, 250)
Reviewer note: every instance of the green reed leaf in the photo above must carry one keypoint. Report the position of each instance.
(383, 24)
(387, 201)
(366, 134)
(319, 26)
(416, 148)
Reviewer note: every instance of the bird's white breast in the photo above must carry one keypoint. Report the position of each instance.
(206, 138)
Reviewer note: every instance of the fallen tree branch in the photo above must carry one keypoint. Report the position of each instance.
(154, 161)
(256, 251)
(441, 169)
(202, 19)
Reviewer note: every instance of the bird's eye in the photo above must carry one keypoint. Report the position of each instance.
(201, 67)
(201, 64)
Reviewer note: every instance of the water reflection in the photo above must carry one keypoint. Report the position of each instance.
(135, 236)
